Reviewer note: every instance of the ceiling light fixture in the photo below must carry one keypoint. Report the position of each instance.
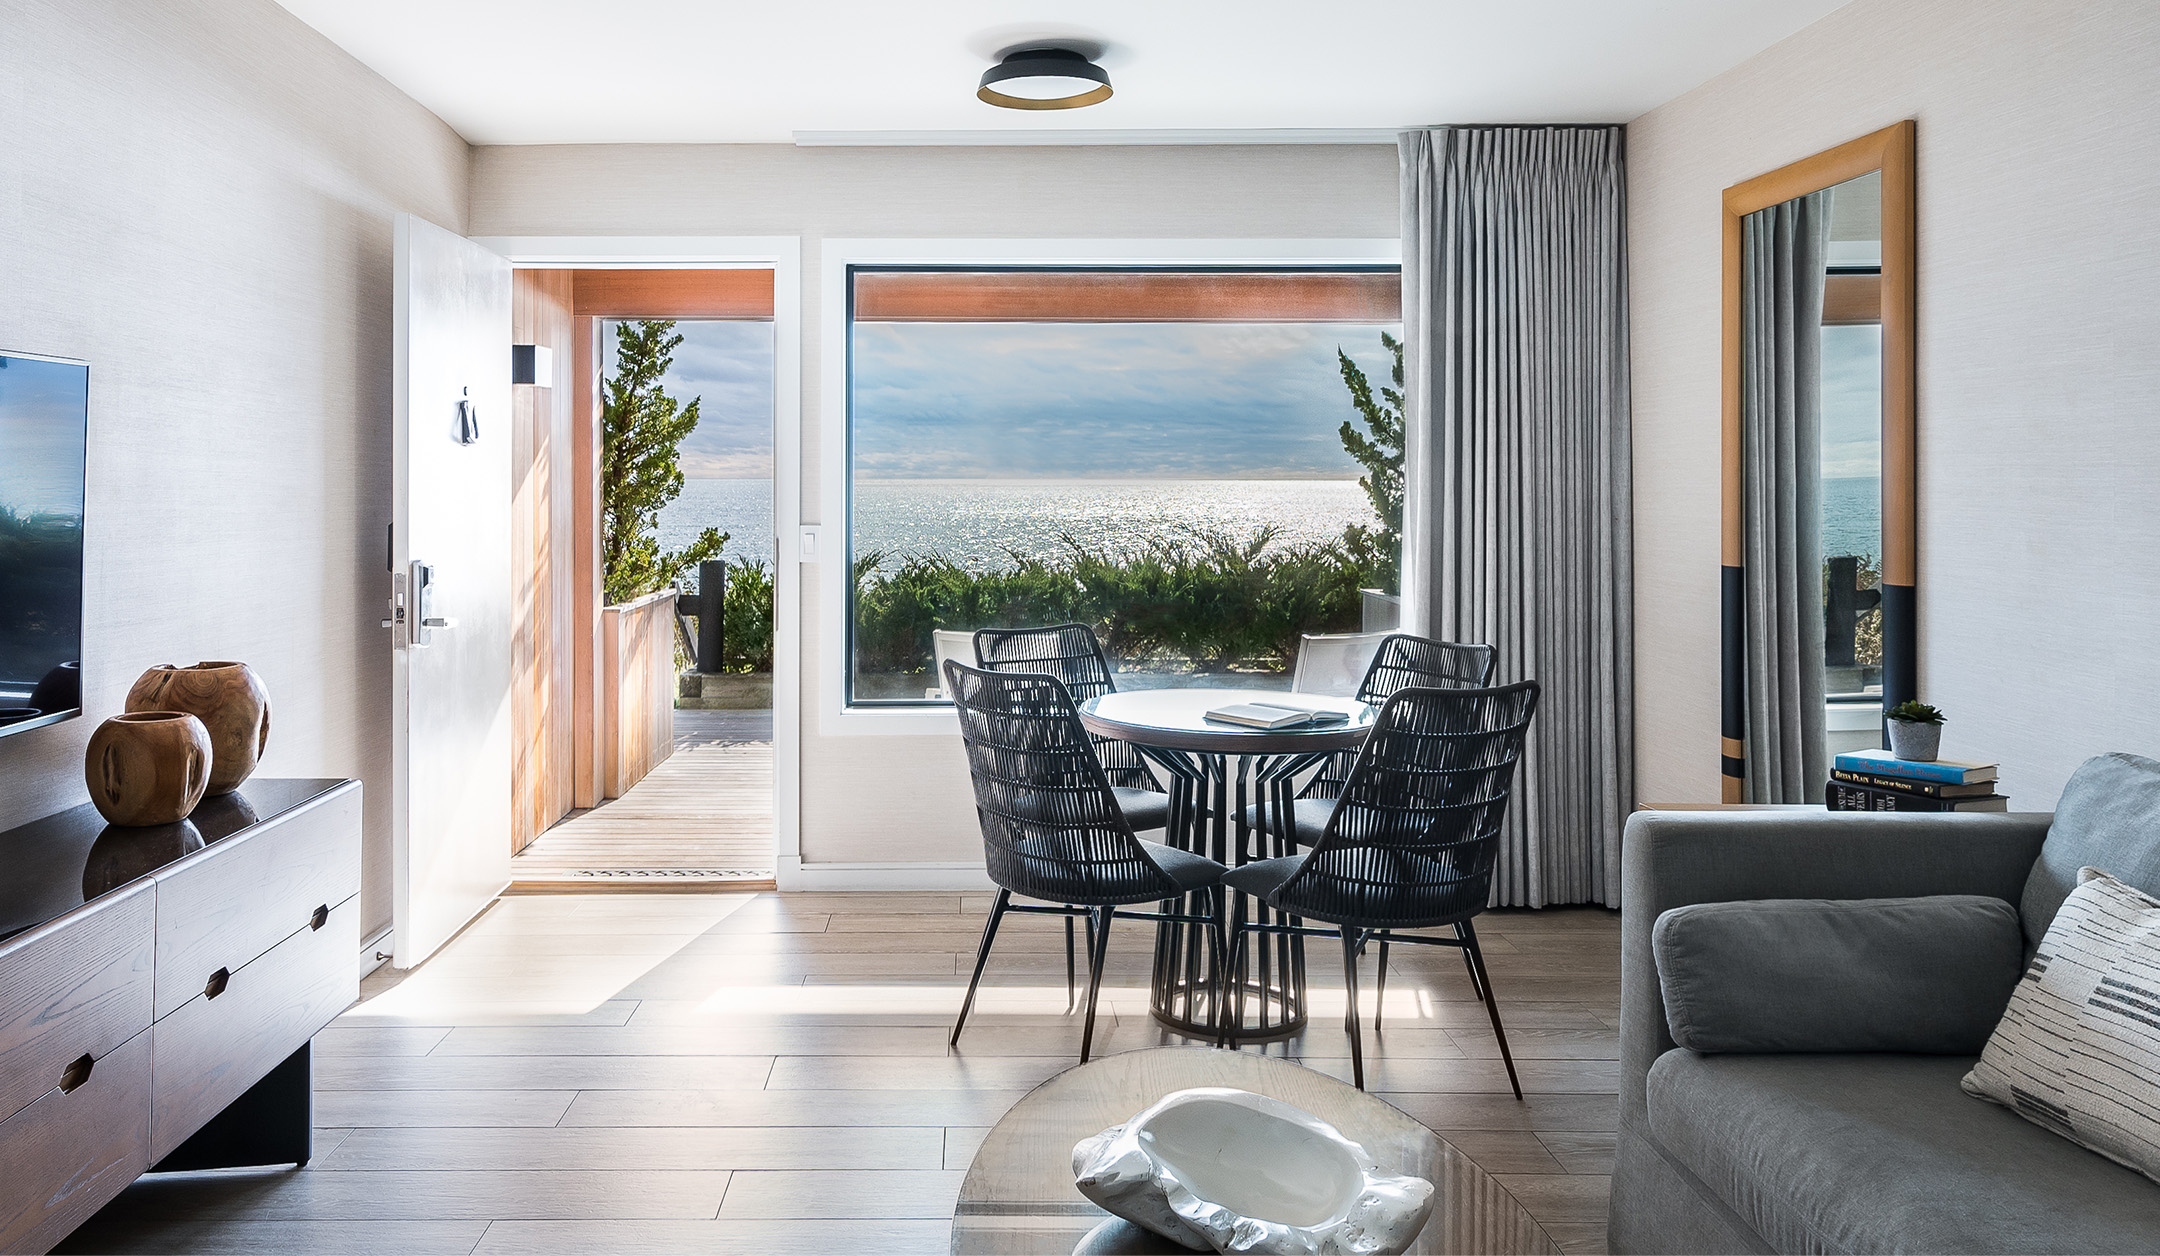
(1044, 78)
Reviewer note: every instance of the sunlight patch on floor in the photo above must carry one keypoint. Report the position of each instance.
(486, 963)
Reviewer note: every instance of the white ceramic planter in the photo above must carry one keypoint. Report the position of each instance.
(1231, 1171)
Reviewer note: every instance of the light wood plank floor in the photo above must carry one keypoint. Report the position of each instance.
(704, 815)
(756, 1073)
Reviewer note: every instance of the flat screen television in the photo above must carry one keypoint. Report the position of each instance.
(44, 424)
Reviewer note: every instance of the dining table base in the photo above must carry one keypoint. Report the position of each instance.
(1210, 796)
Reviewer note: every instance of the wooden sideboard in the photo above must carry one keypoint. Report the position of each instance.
(158, 991)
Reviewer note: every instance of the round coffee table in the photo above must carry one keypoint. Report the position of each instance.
(1215, 771)
(1018, 1197)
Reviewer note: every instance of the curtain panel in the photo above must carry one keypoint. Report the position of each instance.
(1517, 520)
(1781, 268)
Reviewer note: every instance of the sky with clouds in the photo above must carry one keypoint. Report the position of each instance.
(1105, 400)
(729, 367)
(1048, 400)
(1852, 402)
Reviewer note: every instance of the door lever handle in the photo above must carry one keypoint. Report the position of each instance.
(437, 621)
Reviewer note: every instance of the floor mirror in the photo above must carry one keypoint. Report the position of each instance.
(1818, 546)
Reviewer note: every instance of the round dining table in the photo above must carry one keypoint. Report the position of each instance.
(1221, 777)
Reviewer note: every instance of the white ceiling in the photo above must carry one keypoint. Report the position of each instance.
(725, 71)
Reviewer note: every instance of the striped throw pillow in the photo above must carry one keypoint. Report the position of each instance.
(2078, 1050)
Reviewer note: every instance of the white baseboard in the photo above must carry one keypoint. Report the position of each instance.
(794, 874)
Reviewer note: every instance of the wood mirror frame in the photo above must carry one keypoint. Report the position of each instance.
(1890, 151)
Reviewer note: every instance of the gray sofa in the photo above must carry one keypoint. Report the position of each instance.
(1862, 1152)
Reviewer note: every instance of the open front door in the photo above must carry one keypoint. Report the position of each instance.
(451, 612)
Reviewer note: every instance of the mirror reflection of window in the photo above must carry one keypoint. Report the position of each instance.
(1851, 392)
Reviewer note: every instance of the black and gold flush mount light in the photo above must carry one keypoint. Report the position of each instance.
(1044, 78)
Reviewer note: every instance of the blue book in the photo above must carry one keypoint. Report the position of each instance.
(1941, 771)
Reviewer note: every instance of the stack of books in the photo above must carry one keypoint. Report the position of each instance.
(1876, 780)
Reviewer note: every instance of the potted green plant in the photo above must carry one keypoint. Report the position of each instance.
(1915, 731)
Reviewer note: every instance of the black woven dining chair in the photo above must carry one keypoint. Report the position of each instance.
(1403, 661)
(1071, 653)
(1410, 844)
(1052, 829)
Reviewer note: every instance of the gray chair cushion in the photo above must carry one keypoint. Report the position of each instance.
(1868, 974)
(1883, 1153)
(1308, 818)
(1190, 871)
(1263, 877)
(2109, 818)
(1144, 808)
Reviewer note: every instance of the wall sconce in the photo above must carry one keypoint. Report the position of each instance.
(532, 364)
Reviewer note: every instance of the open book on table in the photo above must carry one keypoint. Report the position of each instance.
(1274, 715)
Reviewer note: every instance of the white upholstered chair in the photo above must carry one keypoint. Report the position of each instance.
(1334, 664)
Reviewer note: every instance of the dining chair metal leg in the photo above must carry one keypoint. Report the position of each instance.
(982, 957)
(1492, 1005)
(1218, 932)
(1234, 996)
(1379, 994)
(1098, 953)
(1349, 963)
(1477, 981)
(1072, 984)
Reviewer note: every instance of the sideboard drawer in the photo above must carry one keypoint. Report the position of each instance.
(237, 898)
(218, 1044)
(68, 1153)
(77, 986)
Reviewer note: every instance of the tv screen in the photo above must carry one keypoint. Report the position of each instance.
(44, 420)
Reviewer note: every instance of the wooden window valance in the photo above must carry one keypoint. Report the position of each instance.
(718, 293)
(1076, 296)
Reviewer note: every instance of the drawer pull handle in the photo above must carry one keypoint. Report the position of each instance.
(320, 918)
(216, 985)
(76, 1074)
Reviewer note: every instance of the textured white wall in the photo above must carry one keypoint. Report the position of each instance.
(196, 197)
(885, 798)
(2039, 361)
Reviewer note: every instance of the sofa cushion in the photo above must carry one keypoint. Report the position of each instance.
(2078, 1051)
(1869, 974)
(2108, 818)
(1884, 1153)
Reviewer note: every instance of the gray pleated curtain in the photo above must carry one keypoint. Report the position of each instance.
(1782, 253)
(1516, 531)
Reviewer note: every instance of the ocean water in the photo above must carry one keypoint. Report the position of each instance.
(1852, 516)
(976, 522)
(973, 520)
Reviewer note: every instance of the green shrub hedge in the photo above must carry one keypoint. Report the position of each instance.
(1209, 601)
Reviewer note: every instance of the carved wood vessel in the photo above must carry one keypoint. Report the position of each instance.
(231, 702)
(148, 767)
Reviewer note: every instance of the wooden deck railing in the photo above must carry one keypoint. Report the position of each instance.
(637, 659)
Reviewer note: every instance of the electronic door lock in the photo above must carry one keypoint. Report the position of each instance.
(396, 622)
(412, 599)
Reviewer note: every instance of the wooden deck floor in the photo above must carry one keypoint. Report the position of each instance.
(736, 1073)
(704, 815)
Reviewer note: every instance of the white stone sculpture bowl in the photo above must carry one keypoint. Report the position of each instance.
(1231, 1171)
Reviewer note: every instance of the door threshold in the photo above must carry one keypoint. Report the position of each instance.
(632, 882)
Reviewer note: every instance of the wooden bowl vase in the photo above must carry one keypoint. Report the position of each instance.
(148, 767)
(230, 701)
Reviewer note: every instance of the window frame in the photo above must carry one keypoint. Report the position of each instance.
(832, 538)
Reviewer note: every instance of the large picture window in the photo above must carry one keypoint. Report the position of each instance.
(1178, 458)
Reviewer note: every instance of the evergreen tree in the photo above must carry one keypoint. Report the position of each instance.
(642, 428)
(1379, 449)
